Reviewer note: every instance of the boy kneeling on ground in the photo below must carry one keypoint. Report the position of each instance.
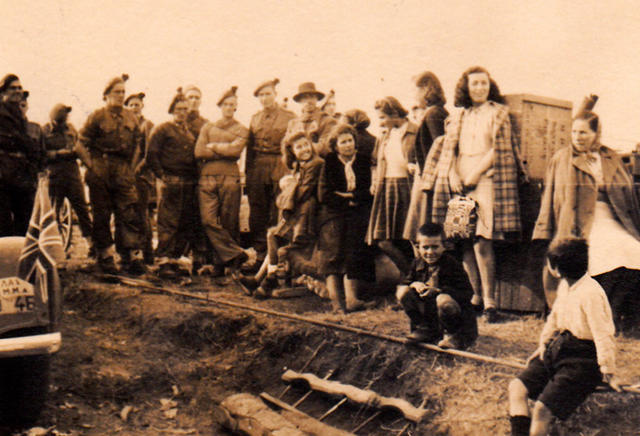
(436, 294)
(576, 351)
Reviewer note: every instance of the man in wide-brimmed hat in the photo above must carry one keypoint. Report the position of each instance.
(64, 175)
(264, 166)
(107, 144)
(312, 120)
(19, 157)
(218, 149)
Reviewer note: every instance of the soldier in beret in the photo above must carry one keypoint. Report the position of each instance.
(171, 157)
(145, 181)
(107, 144)
(19, 158)
(34, 130)
(218, 149)
(313, 121)
(264, 166)
(64, 175)
(194, 119)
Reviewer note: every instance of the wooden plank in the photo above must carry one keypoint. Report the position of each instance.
(247, 414)
(304, 421)
(357, 395)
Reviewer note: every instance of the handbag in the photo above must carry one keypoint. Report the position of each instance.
(461, 219)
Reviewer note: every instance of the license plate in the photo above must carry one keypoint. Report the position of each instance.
(16, 295)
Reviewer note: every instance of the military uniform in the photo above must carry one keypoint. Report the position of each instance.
(20, 156)
(145, 185)
(171, 157)
(317, 126)
(196, 122)
(111, 136)
(219, 185)
(264, 168)
(64, 174)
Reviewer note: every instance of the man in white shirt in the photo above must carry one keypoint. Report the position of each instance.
(576, 349)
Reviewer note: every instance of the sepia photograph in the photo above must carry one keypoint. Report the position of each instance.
(322, 217)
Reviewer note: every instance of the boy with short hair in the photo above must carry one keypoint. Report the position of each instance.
(576, 350)
(436, 294)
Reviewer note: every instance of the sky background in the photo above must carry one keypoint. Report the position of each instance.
(66, 51)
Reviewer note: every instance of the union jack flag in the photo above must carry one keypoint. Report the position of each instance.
(42, 249)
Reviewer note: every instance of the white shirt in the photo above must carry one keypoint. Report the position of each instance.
(584, 310)
(397, 163)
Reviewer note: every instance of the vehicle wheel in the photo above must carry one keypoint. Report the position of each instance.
(65, 223)
(24, 384)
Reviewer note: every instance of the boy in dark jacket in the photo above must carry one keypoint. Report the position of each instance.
(436, 294)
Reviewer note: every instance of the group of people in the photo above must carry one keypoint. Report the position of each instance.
(320, 186)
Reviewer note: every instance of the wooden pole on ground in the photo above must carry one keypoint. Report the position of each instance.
(356, 330)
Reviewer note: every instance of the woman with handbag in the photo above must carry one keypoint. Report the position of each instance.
(394, 169)
(590, 194)
(477, 159)
(342, 256)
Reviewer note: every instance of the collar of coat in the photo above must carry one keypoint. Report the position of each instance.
(607, 156)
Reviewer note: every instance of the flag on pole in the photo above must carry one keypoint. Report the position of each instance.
(42, 249)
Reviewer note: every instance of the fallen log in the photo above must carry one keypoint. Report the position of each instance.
(357, 395)
(246, 414)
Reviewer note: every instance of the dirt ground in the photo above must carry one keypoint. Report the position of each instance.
(138, 363)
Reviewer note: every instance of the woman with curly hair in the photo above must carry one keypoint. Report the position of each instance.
(359, 120)
(477, 159)
(394, 170)
(343, 257)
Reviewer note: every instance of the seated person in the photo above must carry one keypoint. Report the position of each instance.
(436, 294)
(297, 204)
(576, 351)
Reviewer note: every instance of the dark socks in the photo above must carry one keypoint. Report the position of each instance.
(520, 425)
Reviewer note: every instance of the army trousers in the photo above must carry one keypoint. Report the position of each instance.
(112, 191)
(219, 197)
(66, 182)
(17, 192)
(178, 217)
(262, 188)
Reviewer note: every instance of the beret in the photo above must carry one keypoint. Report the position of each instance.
(271, 83)
(231, 92)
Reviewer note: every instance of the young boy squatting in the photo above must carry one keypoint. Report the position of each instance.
(436, 294)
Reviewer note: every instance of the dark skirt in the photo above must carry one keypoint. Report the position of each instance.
(389, 211)
(341, 247)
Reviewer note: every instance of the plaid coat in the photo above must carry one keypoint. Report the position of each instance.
(435, 176)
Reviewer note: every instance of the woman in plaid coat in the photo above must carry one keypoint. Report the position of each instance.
(476, 158)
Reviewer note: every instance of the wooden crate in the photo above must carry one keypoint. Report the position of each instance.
(540, 126)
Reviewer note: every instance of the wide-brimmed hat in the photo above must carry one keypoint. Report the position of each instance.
(307, 88)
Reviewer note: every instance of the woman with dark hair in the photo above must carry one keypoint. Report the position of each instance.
(393, 175)
(589, 194)
(343, 257)
(430, 97)
(359, 120)
(430, 100)
(476, 158)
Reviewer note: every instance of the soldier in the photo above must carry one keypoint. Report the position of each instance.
(312, 120)
(64, 175)
(264, 166)
(194, 120)
(33, 130)
(171, 157)
(19, 157)
(218, 149)
(145, 182)
(107, 144)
